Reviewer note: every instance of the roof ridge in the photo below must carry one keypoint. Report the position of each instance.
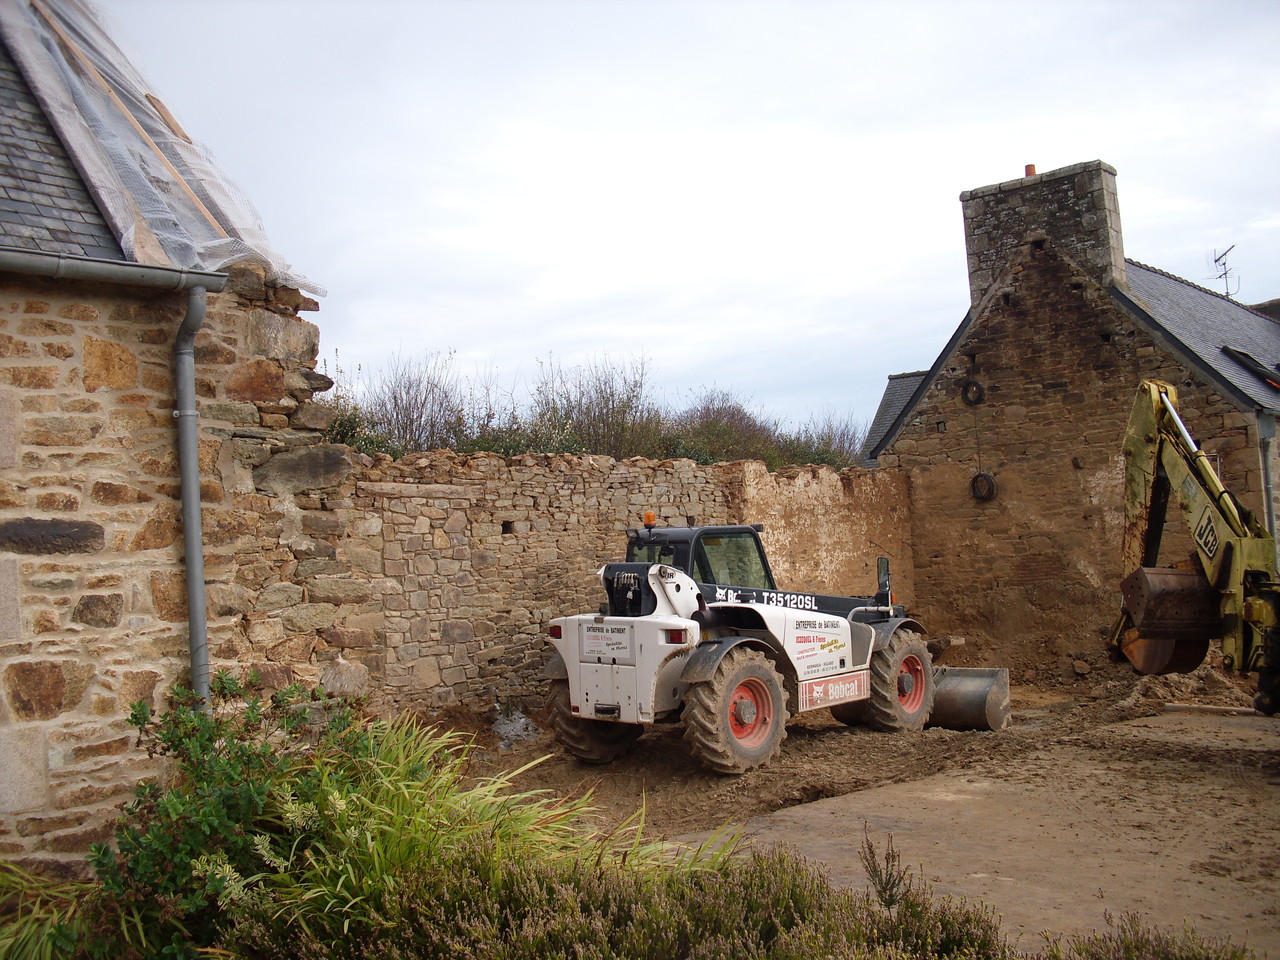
(913, 373)
(1196, 286)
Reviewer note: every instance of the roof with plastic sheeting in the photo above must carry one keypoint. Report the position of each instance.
(124, 180)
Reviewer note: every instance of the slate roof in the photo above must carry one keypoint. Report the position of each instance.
(44, 203)
(1234, 347)
(899, 392)
(1203, 323)
(67, 90)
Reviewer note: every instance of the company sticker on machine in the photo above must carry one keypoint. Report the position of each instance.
(832, 690)
(819, 645)
(608, 643)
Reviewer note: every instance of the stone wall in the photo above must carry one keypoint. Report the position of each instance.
(92, 587)
(479, 552)
(1058, 365)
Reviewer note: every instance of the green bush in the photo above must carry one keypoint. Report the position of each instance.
(182, 851)
(1128, 938)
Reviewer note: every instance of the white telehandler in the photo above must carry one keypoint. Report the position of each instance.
(695, 630)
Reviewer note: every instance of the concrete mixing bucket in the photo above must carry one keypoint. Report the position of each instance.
(970, 698)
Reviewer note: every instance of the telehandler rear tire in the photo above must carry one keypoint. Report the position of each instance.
(591, 741)
(901, 687)
(738, 719)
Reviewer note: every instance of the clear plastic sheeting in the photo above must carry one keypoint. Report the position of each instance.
(161, 191)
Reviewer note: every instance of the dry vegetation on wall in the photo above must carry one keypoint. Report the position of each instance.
(604, 407)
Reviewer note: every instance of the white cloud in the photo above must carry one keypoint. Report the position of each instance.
(760, 194)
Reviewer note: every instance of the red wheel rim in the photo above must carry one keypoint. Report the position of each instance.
(750, 712)
(911, 683)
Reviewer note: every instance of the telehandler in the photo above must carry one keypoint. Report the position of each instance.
(695, 630)
(1227, 590)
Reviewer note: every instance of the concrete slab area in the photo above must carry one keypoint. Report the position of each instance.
(1176, 817)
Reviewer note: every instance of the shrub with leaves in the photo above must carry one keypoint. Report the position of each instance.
(604, 406)
(181, 850)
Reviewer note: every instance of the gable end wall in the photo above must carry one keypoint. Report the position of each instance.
(1059, 363)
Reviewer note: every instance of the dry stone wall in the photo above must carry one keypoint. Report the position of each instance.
(479, 552)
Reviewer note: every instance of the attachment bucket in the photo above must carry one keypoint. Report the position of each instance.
(970, 698)
(1174, 612)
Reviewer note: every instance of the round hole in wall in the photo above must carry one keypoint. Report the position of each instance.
(972, 392)
(982, 487)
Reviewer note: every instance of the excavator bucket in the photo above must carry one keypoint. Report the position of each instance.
(970, 698)
(1173, 613)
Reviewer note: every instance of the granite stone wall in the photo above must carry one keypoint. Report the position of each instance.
(479, 552)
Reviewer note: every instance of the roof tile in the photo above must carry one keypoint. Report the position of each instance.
(43, 201)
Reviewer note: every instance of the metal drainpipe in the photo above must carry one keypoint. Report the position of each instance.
(184, 364)
(1267, 433)
(197, 283)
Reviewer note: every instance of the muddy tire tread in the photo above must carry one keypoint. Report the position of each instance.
(883, 711)
(591, 741)
(710, 741)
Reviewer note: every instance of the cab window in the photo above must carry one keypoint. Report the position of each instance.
(731, 559)
(651, 553)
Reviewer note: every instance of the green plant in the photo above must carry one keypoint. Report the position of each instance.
(181, 851)
(37, 914)
(1129, 938)
(604, 406)
(888, 878)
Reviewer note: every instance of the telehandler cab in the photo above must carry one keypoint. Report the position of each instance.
(696, 630)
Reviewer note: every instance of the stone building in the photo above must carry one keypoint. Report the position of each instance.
(1011, 440)
(156, 413)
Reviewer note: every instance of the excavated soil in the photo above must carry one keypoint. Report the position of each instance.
(1094, 800)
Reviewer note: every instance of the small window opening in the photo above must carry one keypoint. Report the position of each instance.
(942, 426)
(508, 526)
(1037, 246)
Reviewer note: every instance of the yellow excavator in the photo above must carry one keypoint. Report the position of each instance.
(1228, 590)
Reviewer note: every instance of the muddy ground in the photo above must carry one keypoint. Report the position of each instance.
(1178, 822)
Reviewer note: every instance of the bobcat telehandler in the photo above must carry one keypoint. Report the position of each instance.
(695, 630)
(1227, 591)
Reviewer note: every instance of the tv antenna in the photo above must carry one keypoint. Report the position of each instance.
(1224, 272)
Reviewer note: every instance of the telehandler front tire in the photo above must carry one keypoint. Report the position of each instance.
(738, 719)
(591, 741)
(902, 687)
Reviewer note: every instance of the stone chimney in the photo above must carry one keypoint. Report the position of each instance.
(1073, 210)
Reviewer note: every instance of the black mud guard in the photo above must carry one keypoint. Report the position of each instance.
(555, 668)
(885, 630)
(702, 663)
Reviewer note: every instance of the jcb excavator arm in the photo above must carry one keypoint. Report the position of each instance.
(1229, 591)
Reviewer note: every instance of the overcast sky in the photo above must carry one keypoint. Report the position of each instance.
(757, 196)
